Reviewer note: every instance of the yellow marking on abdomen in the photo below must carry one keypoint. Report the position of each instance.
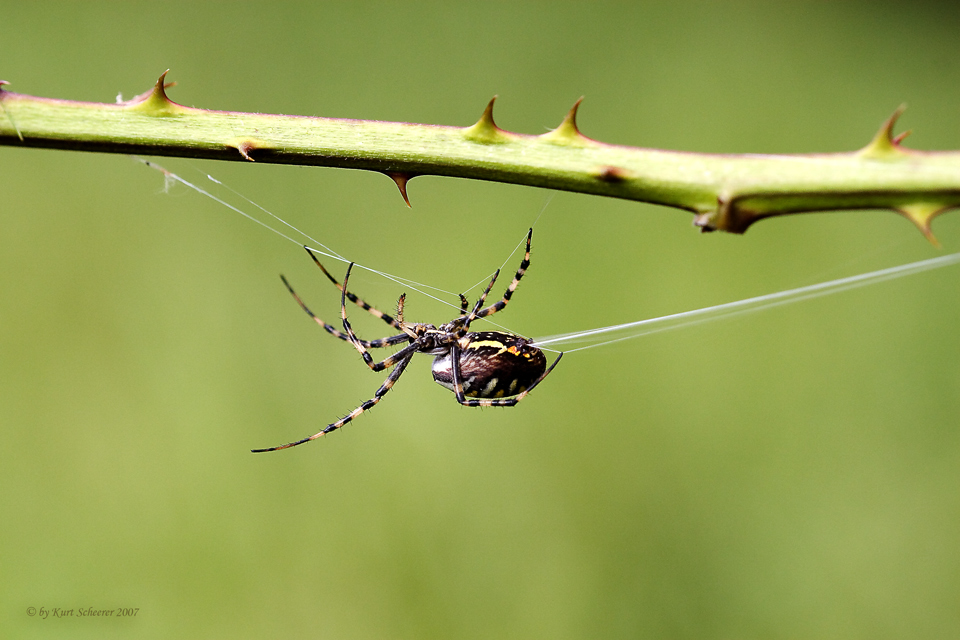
(487, 343)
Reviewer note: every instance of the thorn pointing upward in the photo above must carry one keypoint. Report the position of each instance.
(568, 133)
(901, 137)
(487, 117)
(486, 130)
(884, 146)
(569, 124)
(160, 87)
(155, 101)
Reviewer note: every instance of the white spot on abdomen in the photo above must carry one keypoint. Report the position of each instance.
(443, 371)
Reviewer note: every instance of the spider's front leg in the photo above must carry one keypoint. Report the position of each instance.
(500, 304)
(483, 296)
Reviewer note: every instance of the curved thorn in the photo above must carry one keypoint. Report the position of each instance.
(401, 179)
(884, 146)
(487, 116)
(160, 88)
(572, 114)
(568, 132)
(485, 130)
(245, 148)
(922, 214)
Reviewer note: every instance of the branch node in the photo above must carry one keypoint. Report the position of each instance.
(612, 175)
(728, 216)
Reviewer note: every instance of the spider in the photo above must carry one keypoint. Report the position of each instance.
(493, 368)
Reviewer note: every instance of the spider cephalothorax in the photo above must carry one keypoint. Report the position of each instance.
(493, 368)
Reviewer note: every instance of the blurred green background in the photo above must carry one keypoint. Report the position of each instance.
(792, 473)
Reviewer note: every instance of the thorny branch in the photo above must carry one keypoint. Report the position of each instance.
(724, 192)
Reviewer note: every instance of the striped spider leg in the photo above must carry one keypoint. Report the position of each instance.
(500, 304)
(369, 344)
(382, 391)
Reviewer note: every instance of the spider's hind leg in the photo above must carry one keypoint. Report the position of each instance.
(369, 404)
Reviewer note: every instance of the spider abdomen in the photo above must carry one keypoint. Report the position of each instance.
(493, 364)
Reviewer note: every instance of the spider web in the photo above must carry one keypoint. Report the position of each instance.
(588, 338)
(306, 240)
(616, 333)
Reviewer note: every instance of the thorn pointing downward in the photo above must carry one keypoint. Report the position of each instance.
(401, 179)
(246, 146)
(922, 214)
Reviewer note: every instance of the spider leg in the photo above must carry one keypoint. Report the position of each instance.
(382, 391)
(483, 296)
(500, 304)
(410, 349)
(489, 402)
(369, 344)
(464, 304)
(410, 332)
(353, 298)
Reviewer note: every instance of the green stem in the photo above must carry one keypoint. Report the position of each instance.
(726, 192)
